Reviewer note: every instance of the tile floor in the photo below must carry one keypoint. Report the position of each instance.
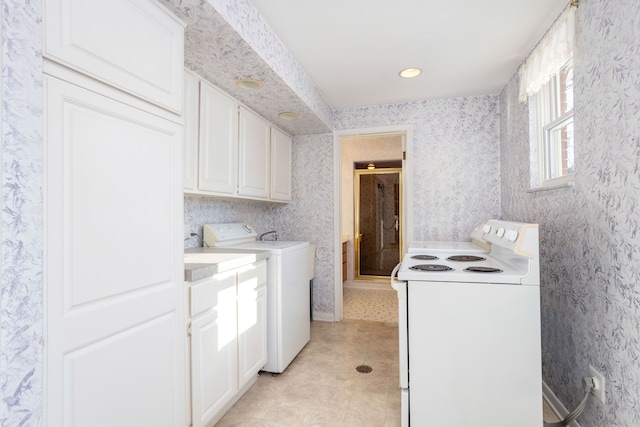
(379, 305)
(321, 387)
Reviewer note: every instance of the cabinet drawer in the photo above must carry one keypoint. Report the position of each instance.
(256, 273)
(216, 290)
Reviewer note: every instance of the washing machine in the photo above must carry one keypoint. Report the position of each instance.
(288, 315)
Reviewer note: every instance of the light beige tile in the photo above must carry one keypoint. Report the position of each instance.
(233, 420)
(392, 422)
(322, 415)
(548, 414)
(322, 388)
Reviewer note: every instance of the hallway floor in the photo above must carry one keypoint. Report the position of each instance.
(378, 305)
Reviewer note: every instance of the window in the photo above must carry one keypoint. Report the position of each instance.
(546, 79)
(554, 129)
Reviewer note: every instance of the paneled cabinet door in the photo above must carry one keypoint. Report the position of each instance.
(281, 145)
(255, 148)
(190, 114)
(115, 312)
(214, 355)
(134, 45)
(218, 157)
(252, 322)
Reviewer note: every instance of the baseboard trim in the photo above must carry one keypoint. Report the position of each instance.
(323, 317)
(555, 404)
(364, 284)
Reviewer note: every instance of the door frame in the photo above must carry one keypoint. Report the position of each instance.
(407, 197)
(356, 210)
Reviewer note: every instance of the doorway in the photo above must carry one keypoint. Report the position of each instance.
(372, 145)
(377, 208)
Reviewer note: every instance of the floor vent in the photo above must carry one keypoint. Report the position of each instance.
(364, 369)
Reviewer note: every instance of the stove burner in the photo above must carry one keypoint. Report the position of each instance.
(465, 258)
(430, 267)
(477, 269)
(425, 257)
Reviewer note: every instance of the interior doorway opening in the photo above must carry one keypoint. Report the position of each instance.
(372, 145)
(380, 152)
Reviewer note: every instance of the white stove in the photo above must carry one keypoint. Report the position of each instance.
(469, 327)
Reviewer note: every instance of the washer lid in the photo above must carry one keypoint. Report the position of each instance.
(276, 247)
(218, 235)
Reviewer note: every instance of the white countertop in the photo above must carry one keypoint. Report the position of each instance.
(203, 262)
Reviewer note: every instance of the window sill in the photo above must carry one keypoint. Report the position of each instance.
(552, 187)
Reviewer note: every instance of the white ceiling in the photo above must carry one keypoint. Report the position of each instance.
(353, 50)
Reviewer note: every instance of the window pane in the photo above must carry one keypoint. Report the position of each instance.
(560, 149)
(565, 83)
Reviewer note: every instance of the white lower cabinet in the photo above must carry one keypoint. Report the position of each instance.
(228, 339)
(252, 325)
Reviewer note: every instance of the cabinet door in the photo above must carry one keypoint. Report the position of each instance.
(218, 141)
(281, 145)
(115, 312)
(255, 160)
(252, 322)
(134, 45)
(190, 114)
(214, 355)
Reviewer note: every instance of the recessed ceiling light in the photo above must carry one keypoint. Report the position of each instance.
(288, 115)
(408, 73)
(250, 84)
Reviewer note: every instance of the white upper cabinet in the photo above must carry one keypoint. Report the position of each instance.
(254, 161)
(218, 156)
(133, 45)
(281, 165)
(230, 151)
(190, 115)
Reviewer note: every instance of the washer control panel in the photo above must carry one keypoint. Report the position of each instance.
(216, 235)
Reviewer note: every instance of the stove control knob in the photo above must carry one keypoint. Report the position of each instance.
(500, 232)
(486, 228)
(512, 235)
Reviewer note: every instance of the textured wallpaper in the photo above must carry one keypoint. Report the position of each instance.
(590, 234)
(471, 162)
(456, 151)
(22, 240)
(308, 218)
(246, 20)
(456, 158)
(217, 51)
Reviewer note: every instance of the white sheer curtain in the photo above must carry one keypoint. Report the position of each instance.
(552, 52)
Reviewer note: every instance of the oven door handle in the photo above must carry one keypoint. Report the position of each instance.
(403, 327)
(394, 282)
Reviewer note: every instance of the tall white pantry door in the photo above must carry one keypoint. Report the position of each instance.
(114, 273)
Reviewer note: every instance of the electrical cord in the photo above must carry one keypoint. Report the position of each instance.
(588, 384)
